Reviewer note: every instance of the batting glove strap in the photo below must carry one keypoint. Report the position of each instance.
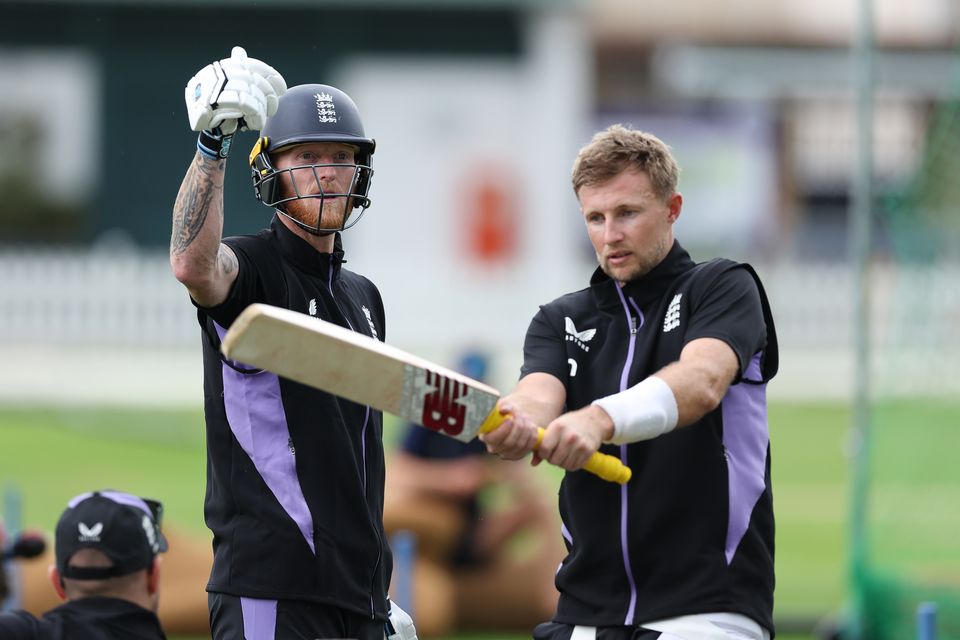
(644, 411)
(214, 144)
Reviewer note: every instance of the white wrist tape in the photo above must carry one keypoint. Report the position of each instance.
(642, 412)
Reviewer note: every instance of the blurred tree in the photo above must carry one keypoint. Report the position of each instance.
(27, 212)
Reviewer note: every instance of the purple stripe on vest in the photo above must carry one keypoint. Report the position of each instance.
(259, 619)
(632, 608)
(745, 438)
(624, 503)
(258, 422)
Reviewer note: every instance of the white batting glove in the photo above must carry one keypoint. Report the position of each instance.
(400, 626)
(234, 92)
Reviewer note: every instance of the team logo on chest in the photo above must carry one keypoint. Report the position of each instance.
(312, 307)
(579, 338)
(672, 318)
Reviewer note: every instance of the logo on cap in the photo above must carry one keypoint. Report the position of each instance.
(148, 529)
(90, 534)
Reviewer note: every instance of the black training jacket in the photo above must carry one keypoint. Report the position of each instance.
(84, 619)
(693, 530)
(294, 475)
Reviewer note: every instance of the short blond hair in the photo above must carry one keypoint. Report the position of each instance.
(618, 148)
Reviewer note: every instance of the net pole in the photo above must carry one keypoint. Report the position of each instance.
(927, 621)
(403, 544)
(13, 515)
(859, 234)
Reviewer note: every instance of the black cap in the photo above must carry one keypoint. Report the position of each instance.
(123, 527)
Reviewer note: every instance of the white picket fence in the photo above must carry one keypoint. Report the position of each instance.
(73, 297)
(78, 297)
(56, 296)
(70, 310)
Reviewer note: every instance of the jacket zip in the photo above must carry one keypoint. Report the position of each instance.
(363, 446)
(635, 326)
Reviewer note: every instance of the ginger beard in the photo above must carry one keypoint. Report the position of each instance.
(319, 213)
(314, 211)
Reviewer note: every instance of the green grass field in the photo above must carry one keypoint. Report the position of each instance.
(53, 454)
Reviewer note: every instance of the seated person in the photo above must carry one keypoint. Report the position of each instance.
(487, 535)
(107, 571)
(186, 567)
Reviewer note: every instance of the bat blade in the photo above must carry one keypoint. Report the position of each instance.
(359, 368)
(323, 355)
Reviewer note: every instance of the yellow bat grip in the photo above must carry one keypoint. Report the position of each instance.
(604, 466)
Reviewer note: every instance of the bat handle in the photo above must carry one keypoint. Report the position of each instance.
(602, 465)
(608, 467)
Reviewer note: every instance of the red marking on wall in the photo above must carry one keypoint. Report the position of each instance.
(441, 411)
(491, 215)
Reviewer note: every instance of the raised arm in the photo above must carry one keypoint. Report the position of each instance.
(227, 95)
(205, 266)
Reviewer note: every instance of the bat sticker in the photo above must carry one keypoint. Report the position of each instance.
(441, 412)
(444, 404)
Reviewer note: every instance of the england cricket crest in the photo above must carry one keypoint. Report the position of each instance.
(444, 404)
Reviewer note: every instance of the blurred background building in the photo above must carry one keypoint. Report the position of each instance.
(478, 108)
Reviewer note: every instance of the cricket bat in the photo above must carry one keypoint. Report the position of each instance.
(359, 368)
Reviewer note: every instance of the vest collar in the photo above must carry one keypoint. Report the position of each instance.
(303, 254)
(646, 288)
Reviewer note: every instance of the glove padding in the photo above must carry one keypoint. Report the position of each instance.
(234, 92)
(400, 625)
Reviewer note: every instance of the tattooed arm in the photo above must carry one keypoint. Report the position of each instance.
(205, 266)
